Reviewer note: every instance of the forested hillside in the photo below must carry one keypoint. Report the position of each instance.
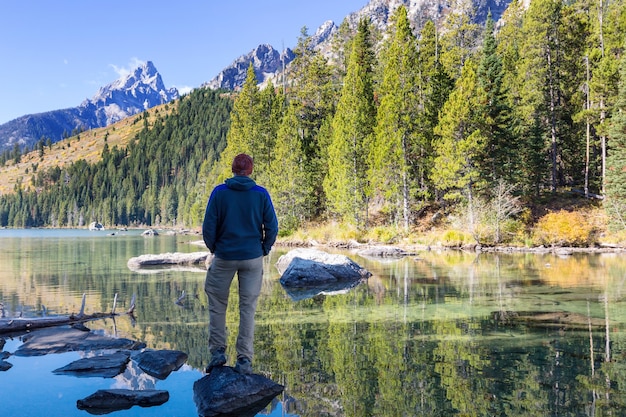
(154, 180)
(475, 122)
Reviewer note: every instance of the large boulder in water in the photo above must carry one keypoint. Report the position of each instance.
(309, 272)
(224, 392)
(304, 267)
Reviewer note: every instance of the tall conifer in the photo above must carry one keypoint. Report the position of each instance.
(615, 202)
(289, 180)
(394, 151)
(461, 143)
(499, 160)
(352, 127)
(244, 135)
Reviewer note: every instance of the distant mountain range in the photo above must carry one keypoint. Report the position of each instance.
(127, 96)
(144, 88)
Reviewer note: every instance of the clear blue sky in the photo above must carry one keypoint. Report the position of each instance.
(55, 54)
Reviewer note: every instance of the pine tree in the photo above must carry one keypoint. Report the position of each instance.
(289, 181)
(460, 36)
(352, 127)
(312, 91)
(551, 72)
(271, 107)
(395, 151)
(244, 134)
(605, 40)
(615, 202)
(435, 87)
(461, 143)
(499, 161)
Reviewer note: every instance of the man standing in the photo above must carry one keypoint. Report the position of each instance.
(239, 228)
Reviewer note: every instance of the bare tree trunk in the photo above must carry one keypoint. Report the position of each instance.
(19, 324)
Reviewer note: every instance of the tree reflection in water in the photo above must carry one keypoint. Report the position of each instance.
(436, 334)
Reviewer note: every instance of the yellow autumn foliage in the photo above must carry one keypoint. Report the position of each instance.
(565, 228)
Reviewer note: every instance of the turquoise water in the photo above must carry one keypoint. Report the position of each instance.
(436, 334)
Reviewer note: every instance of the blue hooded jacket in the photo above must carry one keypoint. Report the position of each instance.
(240, 222)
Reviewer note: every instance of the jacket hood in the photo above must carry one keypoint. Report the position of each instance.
(240, 183)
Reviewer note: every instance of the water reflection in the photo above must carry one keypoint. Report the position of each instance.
(435, 334)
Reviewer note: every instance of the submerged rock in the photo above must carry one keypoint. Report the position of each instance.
(109, 400)
(384, 252)
(160, 363)
(225, 392)
(105, 366)
(60, 340)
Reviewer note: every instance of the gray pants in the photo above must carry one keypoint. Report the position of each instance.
(217, 286)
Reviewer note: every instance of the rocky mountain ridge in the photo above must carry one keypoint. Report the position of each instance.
(144, 88)
(129, 95)
(379, 13)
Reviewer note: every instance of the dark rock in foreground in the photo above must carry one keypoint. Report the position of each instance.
(106, 366)
(225, 393)
(160, 363)
(60, 340)
(109, 400)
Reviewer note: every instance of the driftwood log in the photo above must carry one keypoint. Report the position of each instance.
(19, 324)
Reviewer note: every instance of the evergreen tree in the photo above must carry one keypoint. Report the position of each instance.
(460, 36)
(395, 151)
(615, 202)
(435, 87)
(244, 135)
(461, 143)
(289, 185)
(551, 72)
(499, 161)
(352, 127)
(271, 107)
(605, 41)
(313, 93)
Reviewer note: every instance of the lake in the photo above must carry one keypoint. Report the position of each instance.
(441, 333)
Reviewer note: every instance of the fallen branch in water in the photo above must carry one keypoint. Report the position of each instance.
(20, 324)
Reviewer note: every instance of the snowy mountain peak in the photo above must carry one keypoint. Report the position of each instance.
(132, 93)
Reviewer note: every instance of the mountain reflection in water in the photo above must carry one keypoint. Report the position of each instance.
(437, 334)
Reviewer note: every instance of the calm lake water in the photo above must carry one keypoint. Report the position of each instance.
(437, 334)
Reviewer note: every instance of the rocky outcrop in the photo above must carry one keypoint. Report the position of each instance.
(109, 400)
(224, 392)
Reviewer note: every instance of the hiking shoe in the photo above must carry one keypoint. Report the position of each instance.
(218, 358)
(243, 365)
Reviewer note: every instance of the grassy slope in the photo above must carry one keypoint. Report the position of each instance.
(88, 147)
